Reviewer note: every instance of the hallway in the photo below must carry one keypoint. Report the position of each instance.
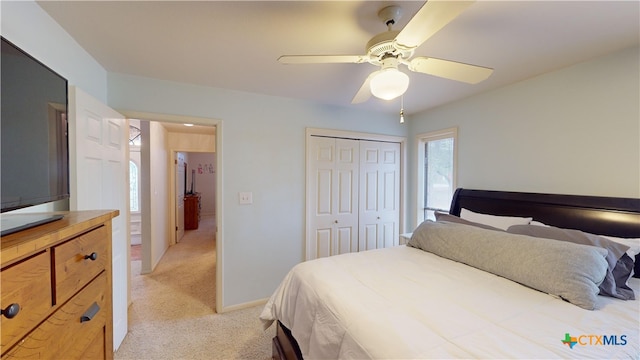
(190, 262)
(173, 312)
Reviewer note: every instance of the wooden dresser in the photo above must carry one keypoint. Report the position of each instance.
(191, 211)
(56, 289)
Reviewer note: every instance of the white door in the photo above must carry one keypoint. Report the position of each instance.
(379, 213)
(99, 167)
(180, 172)
(332, 170)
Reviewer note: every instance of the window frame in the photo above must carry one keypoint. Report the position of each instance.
(137, 180)
(421, 141)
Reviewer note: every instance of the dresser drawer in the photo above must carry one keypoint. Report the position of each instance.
(96, 348)
(65, 334)
(74, 264)
(27, 284)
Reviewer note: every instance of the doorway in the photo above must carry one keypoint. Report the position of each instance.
(135, 228)
(157, 184)
(195, 179)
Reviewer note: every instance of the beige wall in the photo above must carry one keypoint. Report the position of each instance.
(204, 163)
(159, 194)
(191, 142)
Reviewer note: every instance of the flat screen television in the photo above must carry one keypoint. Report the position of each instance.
(34, 131)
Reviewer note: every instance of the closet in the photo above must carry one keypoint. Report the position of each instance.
(353, 195)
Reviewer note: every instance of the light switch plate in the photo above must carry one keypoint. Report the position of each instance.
(245, 198)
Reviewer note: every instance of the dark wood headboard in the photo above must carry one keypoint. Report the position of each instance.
(618, 217)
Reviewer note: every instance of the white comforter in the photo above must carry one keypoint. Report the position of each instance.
(404, 303)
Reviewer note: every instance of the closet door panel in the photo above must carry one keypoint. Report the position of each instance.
(333, 184)
(323, 189)
(379, 194)
(322, 243)
(346, 194)
(389, 233)
(369, 237)
(370, 191)
(344, 241)
(320, 177)
(346, 185)
(389, 193)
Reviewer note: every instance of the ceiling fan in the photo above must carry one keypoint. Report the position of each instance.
(392, 48)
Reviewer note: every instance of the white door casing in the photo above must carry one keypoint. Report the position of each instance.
(99, 169)
(180, 171)
(379, 213)
(333, 200)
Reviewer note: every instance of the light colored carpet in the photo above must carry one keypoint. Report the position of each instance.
(173, 316)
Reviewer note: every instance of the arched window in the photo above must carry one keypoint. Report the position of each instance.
(133, 187)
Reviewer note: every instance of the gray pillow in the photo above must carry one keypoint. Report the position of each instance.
(619, 266)
(570, 271)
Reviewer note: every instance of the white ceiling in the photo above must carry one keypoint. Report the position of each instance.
(235, 44)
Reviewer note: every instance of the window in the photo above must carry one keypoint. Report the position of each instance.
(437, 175)
(134, 136)
(133, 187)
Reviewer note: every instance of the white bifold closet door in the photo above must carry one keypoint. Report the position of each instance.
(354, 189)
(379, 210)
(333, 186)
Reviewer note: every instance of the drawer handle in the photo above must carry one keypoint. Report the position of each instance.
(93, 256)
(89, 314)
(11, 311)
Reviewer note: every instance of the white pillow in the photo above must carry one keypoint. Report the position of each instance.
(538, 223)
(500, 222)
(633, 244)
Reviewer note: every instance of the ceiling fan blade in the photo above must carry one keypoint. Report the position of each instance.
(471, 74)
(322, 59)
(365, 90)
(433, 16)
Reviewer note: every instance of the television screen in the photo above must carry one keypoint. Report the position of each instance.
(33, 126)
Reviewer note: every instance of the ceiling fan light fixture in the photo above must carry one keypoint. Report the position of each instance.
(389, 83)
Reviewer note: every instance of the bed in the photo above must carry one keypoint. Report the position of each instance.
(463, 288)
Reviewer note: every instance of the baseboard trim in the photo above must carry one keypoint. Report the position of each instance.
(246, 305)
